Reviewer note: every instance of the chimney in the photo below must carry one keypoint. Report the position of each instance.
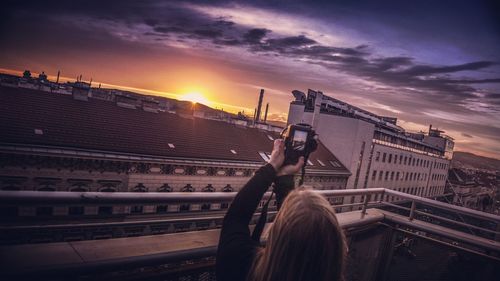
(254, 115)
(265, 114)
(81, 91)
(58, 74)
(259, 106)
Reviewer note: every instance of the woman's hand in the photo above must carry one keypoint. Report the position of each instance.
(278, 157)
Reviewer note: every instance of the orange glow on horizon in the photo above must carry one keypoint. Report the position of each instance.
(195, 97)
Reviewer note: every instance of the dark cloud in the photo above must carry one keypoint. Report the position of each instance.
(255, 35)
(290, 42)
(420, 70)
(447, 87)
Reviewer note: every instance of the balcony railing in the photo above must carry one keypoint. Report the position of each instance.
(469, 230)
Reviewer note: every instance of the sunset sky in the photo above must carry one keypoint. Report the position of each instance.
(425, 62)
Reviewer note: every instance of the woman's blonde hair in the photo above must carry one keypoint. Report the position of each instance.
(304, 243)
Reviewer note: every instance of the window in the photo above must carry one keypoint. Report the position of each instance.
(165, 188)
(140, 188)
(105, 210)
(188, 188)
(380, 175)
(162, 209)
(400, 159)
(405, 160)
(209, 188)
(392, 175)
(377, 156)
(227, 188)
(383, 157)
(386, 175)
(44, 211)
(406, 178)
(390, 158)
(374, 175)
(418, 162)
(76, 210)
(184, 208)
(397, 176)
(321, 163)
(136, 210)
(413, 162)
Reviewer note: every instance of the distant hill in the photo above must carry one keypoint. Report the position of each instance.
(469, 160)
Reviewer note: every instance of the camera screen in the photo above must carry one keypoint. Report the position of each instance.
(299, 140)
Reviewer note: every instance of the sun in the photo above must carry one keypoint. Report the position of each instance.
(195, 97)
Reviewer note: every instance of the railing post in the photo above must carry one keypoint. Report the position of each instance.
(365, 204)
(497, 237)
(412, 210)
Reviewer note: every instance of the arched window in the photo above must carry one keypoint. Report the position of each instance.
(227, 188)
(188, 188)
(138, 209)
(165, 188)
(140, 188)
(77, 210)
(162, 209)
(46, 187)
(79, 187)
(209, 188)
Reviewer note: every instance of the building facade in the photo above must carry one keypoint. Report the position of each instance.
(77, 143)
(374, 148)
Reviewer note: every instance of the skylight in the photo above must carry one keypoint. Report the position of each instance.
(171, 145)
(233, 151)
(38, 132)
(264, 156)
(321, 163)
(335, 164)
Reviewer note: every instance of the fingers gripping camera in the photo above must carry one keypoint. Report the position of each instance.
(300, 140)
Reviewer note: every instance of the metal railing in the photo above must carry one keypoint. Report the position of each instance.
(35, 198)
(44, 198)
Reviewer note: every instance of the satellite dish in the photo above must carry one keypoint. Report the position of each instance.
(299, 96)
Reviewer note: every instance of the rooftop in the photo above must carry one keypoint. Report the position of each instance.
(40, 119)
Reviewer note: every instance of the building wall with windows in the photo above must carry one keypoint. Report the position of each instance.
(55, 173)
(407, 171)
(377, 152)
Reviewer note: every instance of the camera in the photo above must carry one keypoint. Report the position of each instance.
(300, 140)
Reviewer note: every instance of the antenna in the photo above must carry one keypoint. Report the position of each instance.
(265, 114)
(259, 106)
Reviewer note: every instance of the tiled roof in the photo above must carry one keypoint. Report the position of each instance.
(31, 117)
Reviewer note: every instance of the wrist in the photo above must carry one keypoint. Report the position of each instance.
(275, 165)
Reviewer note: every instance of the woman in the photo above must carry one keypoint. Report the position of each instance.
(304, 243)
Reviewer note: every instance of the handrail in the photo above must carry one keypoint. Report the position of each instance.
(100, 198)
(444, 206)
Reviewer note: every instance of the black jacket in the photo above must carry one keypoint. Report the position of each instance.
(236, 250)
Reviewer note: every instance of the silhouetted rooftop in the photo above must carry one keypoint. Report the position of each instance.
(32, 117)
